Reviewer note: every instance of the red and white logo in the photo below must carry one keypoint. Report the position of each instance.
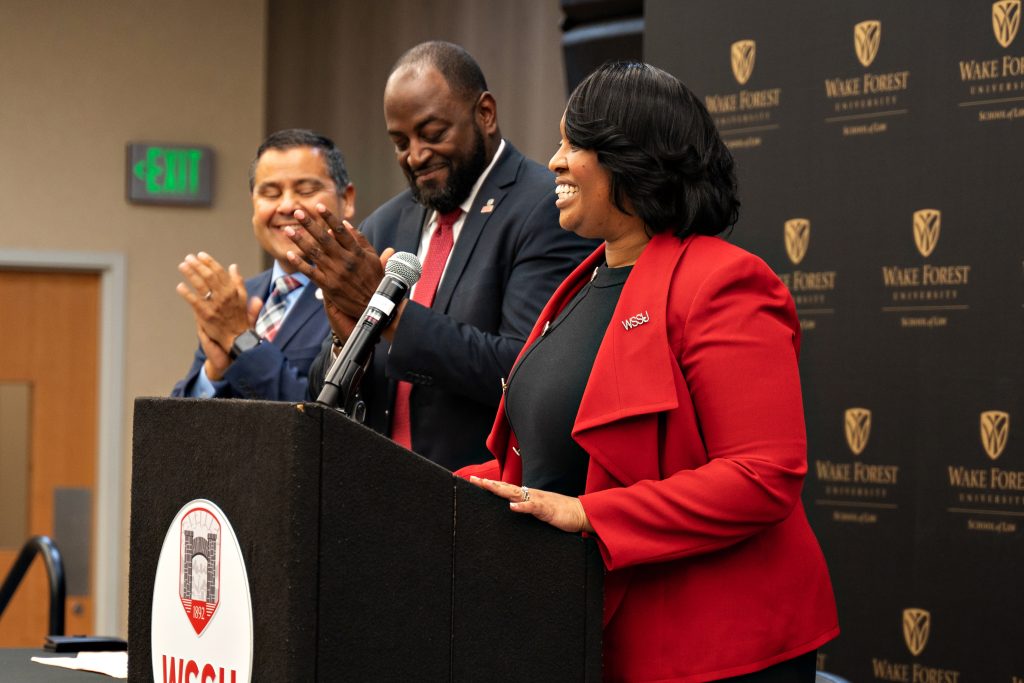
(199, 572)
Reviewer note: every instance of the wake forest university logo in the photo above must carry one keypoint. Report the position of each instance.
(867, 36)
(744, 113)
(927, 223)
(916, 626)
(199, 575)
(995, 430)
(743, 53)
(857, 422)
(798, 236)
(1006, 21)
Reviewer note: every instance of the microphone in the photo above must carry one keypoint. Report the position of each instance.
(343, 379)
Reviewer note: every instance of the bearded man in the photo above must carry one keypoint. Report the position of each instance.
(482, 219)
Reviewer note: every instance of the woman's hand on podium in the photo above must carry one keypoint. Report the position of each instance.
(562, 512)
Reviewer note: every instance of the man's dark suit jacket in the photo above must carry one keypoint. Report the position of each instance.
(510, 256)
(277, 370)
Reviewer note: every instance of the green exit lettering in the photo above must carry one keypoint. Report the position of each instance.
(170, 171)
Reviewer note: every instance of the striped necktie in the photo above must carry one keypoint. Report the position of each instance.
(272, 315)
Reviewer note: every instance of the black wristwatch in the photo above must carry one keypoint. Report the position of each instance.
(243, 342)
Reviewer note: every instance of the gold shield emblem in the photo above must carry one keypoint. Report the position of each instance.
(798, 236)
(867, 36)
(743, 52)
(927, 223)
(916, 625)
(857, 422)
(1006, 20)
(995, 429)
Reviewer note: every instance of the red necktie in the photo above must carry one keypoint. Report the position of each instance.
(437, 256)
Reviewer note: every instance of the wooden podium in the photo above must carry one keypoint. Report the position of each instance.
(366, 562)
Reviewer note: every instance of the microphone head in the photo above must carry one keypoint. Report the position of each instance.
(405, 267)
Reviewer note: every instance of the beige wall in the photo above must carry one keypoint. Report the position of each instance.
(328, 62)
(80, 78)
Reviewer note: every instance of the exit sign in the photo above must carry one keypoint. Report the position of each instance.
(170, 174)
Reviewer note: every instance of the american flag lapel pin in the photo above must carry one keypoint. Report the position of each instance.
(488, 207)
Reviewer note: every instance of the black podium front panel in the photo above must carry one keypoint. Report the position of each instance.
(365, 561)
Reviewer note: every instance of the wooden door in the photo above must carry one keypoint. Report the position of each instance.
(49, 342)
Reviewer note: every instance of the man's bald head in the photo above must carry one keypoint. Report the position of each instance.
(459, 69)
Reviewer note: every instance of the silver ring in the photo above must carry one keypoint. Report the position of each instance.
(526, 494)
(208, 295)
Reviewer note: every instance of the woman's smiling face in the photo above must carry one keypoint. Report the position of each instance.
(583, 188)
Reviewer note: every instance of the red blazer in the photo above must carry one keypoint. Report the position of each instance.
(694, 424)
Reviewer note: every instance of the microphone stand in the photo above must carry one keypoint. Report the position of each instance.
(343, 396)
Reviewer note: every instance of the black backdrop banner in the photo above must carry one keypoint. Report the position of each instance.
(879, 152)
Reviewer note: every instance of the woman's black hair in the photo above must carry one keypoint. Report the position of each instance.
(668, 164)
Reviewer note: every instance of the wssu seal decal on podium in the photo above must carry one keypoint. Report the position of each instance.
(202, 609)
(199, 580)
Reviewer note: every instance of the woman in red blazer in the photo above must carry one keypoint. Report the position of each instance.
(687, 451)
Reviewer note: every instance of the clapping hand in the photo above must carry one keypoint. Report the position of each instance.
(340, 261)
(218, 300)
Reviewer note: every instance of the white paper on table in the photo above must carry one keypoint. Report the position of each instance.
(114, 664)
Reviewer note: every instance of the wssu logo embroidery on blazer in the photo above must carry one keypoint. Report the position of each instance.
(636, 320)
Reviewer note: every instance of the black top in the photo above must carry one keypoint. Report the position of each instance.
(547, 384)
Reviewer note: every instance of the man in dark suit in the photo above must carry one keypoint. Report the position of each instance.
(257, 338)
(437, 377)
